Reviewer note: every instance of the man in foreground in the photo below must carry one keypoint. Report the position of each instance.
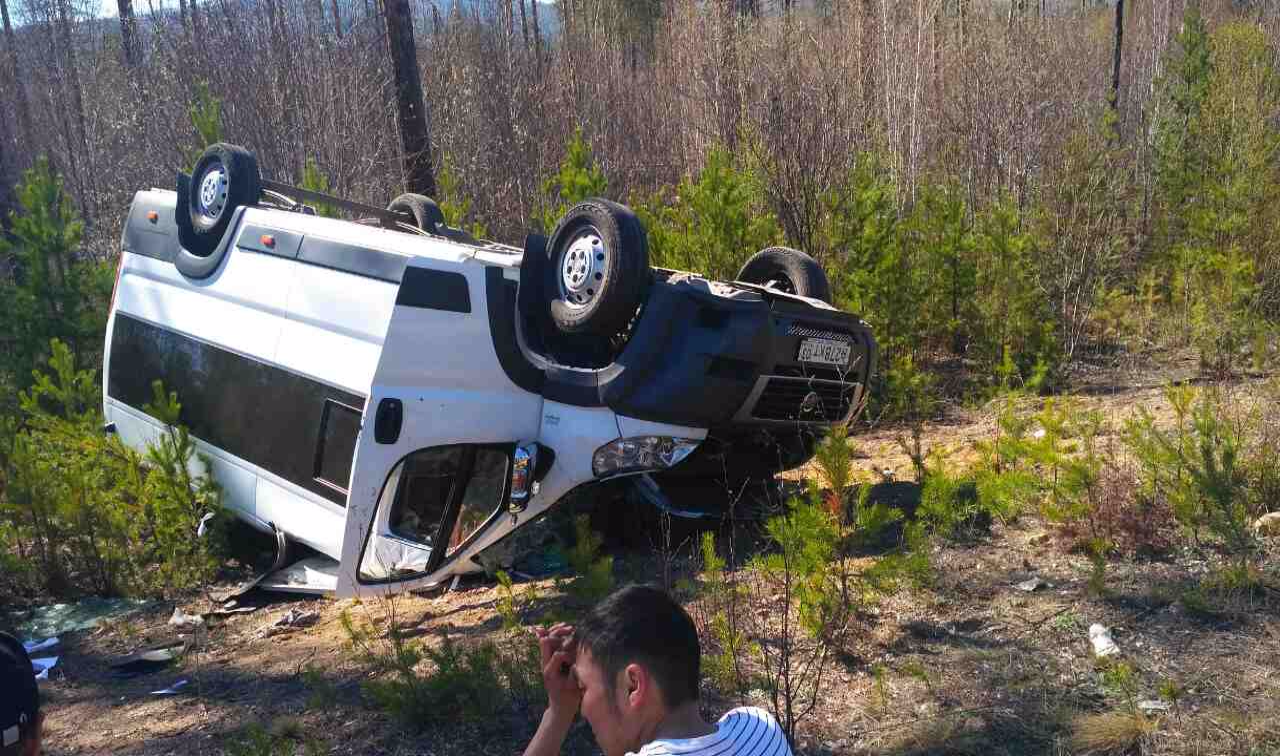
(20, 719)
(633, 666)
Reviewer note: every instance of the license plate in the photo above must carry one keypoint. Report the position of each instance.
(825, 351)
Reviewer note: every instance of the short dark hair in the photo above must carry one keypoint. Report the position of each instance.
(19, 695)
(641, 623)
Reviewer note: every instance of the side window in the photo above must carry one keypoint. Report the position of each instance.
(426, 488)
(434, 500)
(339, 426)
(483, 495)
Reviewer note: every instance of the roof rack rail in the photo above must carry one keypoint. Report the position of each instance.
(387, 218)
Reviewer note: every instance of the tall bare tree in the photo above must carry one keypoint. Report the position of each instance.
(411, 116)
(128, 32)
(537, 34)
(23, 106)
(1118, 49)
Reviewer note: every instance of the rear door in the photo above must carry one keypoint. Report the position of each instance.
(433, 459)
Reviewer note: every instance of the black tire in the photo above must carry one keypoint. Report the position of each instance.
(788, 270)
(225, 179)
(599, 294)
(426, 213)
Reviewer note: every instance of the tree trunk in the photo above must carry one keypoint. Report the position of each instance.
(537, 35)
(77, 98)
(1114, 97)
(411, 116)
(25, 132)
(728, 106)
(524, 24)
(128, 33)
(337, 20)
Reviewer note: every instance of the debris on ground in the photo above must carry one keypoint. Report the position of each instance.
(148, 660)
(172, 689)
(59, 619)
(1033, 584)
(1153, 706)
(181, 619)
(293, 618)
(1103, 644)
(1268, 524)
(229, 609)
(42, 665)
(34, 646)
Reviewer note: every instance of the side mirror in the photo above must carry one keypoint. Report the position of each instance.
(524, 484)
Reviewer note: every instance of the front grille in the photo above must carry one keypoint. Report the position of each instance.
(820, 372)
(805, 400)
(798, 329)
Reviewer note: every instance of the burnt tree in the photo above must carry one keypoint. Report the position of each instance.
(128, 33)
(411, 115)
(1114, 95)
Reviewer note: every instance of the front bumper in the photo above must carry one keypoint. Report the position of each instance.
(725, 357)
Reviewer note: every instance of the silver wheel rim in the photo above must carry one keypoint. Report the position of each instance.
(583, 269)
(213, 192)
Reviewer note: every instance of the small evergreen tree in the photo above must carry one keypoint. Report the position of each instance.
(314, 180)
(205, 112)
(711, 224)
(53, 292)
(579, 177)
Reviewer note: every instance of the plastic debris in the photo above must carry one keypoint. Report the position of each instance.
(204, 521)
(148, 660)
(42, 665)
(290, 619)
(182, 619)
(1268, 524)
(1033, 584)
(1153, 706)
(172, 689)
(297, 618)
(1103, 644)
(228, 611)
(33, 647)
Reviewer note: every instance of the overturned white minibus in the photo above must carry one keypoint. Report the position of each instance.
(400, 396)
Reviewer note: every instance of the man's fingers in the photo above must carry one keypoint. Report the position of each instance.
(559, 664)
(547, 646)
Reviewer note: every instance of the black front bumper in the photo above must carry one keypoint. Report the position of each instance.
(718, 356)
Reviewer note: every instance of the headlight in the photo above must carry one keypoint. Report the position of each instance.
(640, 454)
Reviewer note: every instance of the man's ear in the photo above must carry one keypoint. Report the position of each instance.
(638, 685)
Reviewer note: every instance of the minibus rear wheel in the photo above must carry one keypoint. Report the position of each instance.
(426, 213)
(787, 270)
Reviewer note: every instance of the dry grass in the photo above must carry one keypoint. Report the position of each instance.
(1114, 732)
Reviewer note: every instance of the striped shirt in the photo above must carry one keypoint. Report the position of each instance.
(746, 731)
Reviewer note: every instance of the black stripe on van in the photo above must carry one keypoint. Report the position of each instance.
(349, 258)
(293, 426)
(434, 290)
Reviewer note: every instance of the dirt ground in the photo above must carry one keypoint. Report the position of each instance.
(971, 665)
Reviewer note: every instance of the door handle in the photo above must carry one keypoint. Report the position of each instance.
(387, 421)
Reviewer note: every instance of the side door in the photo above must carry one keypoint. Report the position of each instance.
(433, 459)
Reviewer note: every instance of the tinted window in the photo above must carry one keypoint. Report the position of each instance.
(260, 413)
(483, 495)
(426, 487)
(338, 430)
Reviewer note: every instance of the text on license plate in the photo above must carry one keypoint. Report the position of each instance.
(825, 351)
